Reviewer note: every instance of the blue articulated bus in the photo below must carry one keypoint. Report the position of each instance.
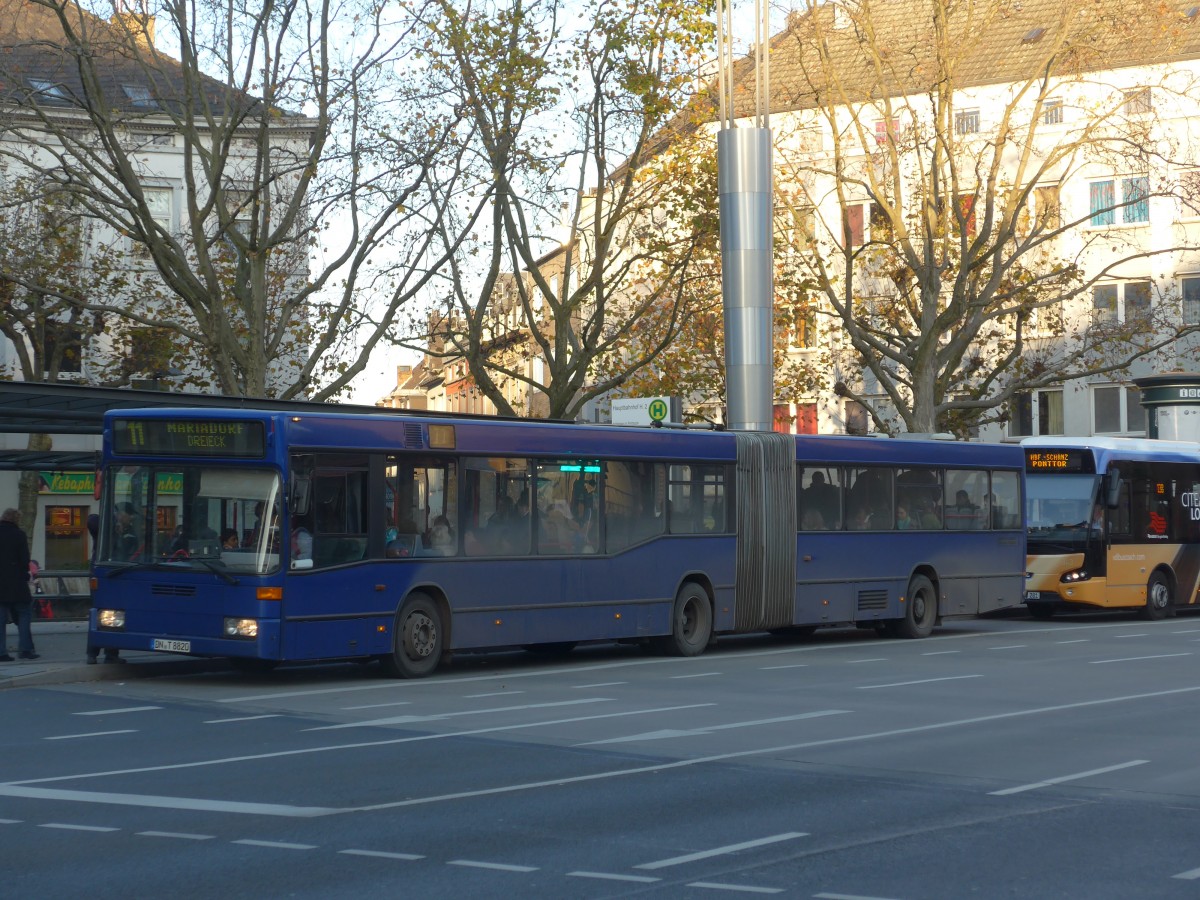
(270, 537)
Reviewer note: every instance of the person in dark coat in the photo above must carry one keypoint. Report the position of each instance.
(111, 655)
(16, 602)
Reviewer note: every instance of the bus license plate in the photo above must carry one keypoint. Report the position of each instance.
(172, 646)
(1033, 595)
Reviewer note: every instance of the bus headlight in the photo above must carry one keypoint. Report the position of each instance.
(1074, 575)
(110, 618)
(241, 628)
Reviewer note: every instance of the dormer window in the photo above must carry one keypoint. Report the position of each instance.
(49, 91)
(139, 96)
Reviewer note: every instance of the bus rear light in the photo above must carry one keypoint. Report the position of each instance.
(241, 628)
(1074, 575)
(269, 593)
(113, 619)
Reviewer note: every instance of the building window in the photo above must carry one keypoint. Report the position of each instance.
(49, 91)
(966, 121)
(159, 200)
(1052, 112)
(139, 96)
(885, 126)
(1102, 203)
(1135, 201)
(1043, 408)
(1117, 409)
(852, 225)
(1135, 192)
(1120, 302)
(1191, 301)
(1138, 101)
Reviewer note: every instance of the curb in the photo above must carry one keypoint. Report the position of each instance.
(32, 675)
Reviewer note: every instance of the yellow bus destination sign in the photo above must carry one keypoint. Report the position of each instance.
(189, 437)
(1060, 460)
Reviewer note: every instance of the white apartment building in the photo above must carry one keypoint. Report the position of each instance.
(1078, 121)
(44, 132)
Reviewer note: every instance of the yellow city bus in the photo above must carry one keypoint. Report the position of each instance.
(1112, 523)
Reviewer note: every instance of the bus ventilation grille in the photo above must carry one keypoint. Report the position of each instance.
(872, 600)
(173, 590)
(412, 437)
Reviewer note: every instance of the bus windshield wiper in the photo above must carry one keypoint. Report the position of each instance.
(122, 567)
(218, 568)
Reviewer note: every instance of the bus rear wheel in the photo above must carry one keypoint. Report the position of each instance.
(920, 610)
(418, 639)
(691, 623)
(1160, 601)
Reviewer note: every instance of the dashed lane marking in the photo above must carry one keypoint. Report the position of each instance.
(613, 876)
(846, 897)
(277, 845)
(383, 854)
(708, 729)
(492, 694)
(792, 666)
(68, 827)
(739, 888)
(871, 687)
(113, 712)
(499, 867)
(698, 675)
(177, 835)
(1190, 875)
(241, 719)
(1062, 778)
(1100, 662)
(438, 717)
(71, 737)
(723, 851)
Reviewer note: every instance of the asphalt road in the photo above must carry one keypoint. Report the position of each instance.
(1000, 758)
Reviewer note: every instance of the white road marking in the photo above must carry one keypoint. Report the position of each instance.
(1186, 631)
(382, 854)
(71, 737)
(941, 652)
(873, 659)
(1062, 778)
(492, 694)
(225, 806)
(764, 751)
(438, 717)
(113, 712)
(378, 705)
(500, 867)
(11, 821)
(723, 851)
(846, 897)
(1100, 662)
(697, 675)
(585, 687)
(708, 729)
(19, 789)
(1076, 641)
(792, 666)
(740, 888)
(610, 876)
(77, 827)
(1190, 875)
(278, 845)
(183, 836)
(1140, 634)
(1009, 647)
(241, 719)
(871, 687)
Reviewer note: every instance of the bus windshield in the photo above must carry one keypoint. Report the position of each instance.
(1058, 510)
(202, 517)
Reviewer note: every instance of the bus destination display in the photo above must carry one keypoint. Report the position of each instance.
(1060, 460)
(189, 437)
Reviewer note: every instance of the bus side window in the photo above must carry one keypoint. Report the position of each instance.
(1005, 500)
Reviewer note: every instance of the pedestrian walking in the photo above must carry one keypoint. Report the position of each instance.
(16, 602)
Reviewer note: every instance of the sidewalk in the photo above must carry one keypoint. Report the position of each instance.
(62, 645)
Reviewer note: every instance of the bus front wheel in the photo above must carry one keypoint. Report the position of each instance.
(920, 612)
(1159, 600)
(691, 623)
(418, 639)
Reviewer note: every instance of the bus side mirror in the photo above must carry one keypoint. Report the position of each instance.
(1113, 496)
